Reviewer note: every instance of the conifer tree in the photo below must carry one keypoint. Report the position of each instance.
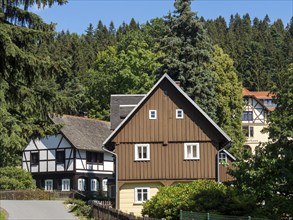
(188, 54)
(28, 73)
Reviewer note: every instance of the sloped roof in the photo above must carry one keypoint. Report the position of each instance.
(259, 95)
(121, 106)
(165, 76)
(83, 133)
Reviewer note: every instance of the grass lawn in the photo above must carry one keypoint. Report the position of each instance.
(2, 214)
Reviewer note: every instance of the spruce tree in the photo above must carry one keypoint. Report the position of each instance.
(28, 74)
(188, 55)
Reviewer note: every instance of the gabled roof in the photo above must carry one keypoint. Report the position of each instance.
(259, 95)
(83, 133)
(165, 76)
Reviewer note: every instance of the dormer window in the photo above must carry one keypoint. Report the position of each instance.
(179, 113)
(152, 114)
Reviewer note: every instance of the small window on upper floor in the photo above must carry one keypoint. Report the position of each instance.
(142, 151)
(191, 151)
(222, 157)
(179, 113)
(247, 116)
(152, 114)
(34, 158)
(60, 156)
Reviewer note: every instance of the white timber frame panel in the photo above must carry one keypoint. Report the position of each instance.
(44, 151)
(103, 166)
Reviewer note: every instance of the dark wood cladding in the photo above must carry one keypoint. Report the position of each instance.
(194, 126)
(166, 162)
(223, 170)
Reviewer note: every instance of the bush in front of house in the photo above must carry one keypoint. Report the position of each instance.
(79, 207)
(15, 178)
(198, 196)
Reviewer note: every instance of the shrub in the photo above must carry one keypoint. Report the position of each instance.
(14, 178)
(198, 196)
(79, 207)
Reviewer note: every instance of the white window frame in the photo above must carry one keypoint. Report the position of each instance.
(81, 184)
(94, 185)
(186, 157)
(147, 146)
(222, 158)
(151, 116)
(177, 114)
(136, 189)
(105, 185)
(49, 185)
(65, 184)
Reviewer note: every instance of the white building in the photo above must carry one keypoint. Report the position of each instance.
(73, 159)
(258, 106)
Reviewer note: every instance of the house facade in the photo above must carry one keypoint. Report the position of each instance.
(258, 106)
(163, 138)
(72, 159)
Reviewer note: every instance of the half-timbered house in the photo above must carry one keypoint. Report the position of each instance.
(72, 159)
(258, 106)
(162, 138)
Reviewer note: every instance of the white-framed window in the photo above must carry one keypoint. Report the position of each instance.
(179, 113)
(65, 184)
(142, 151)
(248, 131)
(49, 185)
(105, 185)
(141, 194)
(152, 114)
(191, 151)
(95, 185)
(222, 157)
(81, 184)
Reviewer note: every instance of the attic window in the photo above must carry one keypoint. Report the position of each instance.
(152, 114)
(179, 113)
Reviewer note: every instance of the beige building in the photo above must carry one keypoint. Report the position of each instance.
(258, 106)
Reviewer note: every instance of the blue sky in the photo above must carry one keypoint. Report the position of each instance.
(76, 15)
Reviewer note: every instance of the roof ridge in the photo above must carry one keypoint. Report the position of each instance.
(85, 118)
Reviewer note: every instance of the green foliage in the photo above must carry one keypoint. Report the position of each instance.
(126, 69)
(14, 178)
(2, 214)
(198, 196)
(269, 173)
(79, 207)
(229, 98)
(30, 86)
(188, 53)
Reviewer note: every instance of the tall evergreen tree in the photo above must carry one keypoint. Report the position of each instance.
(188, 53)
(28, 73)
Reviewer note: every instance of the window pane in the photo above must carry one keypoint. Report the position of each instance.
(189, 151)
(194, 151)
(250, 131)
(145, 194)
(139, 197)
(139, 152)
(145, 152)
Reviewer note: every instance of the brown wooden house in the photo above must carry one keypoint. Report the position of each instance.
(165, 138)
